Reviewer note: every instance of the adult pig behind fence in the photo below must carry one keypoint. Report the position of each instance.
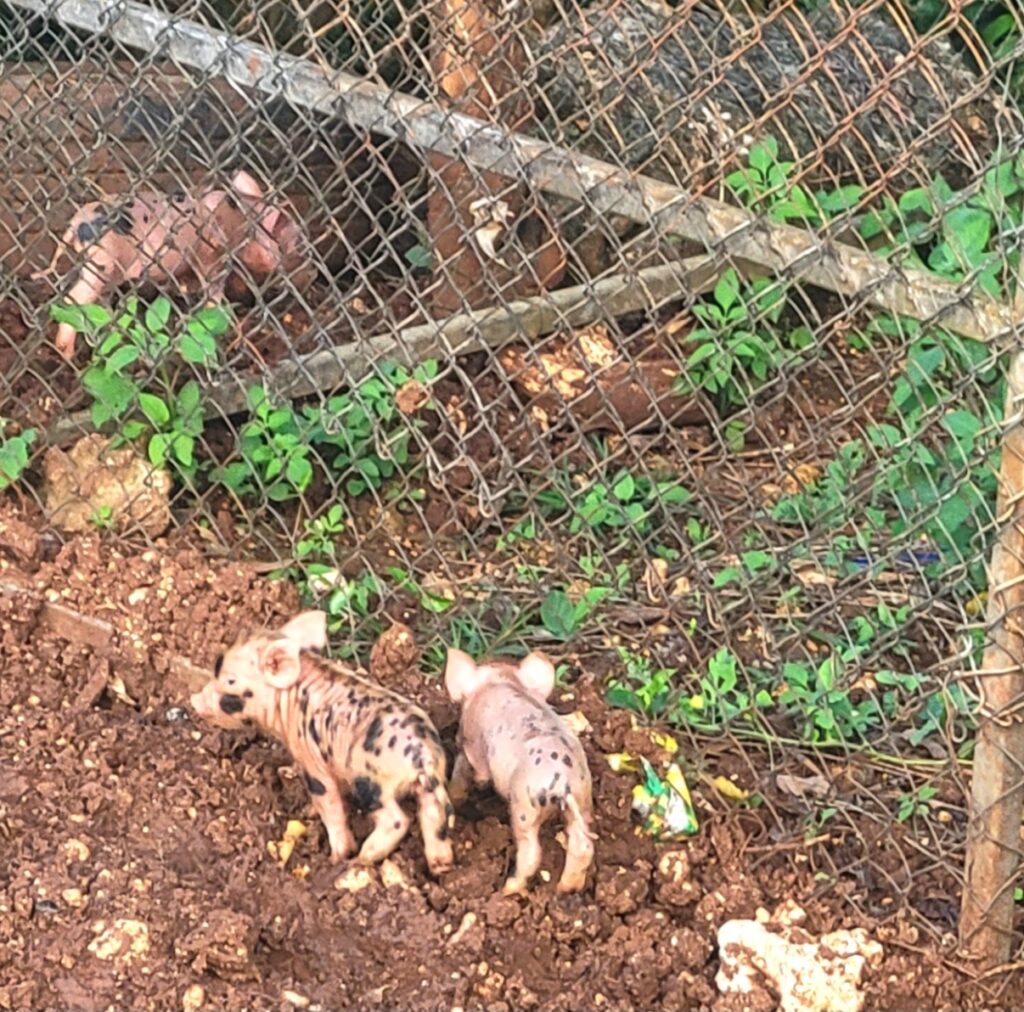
(160, 237)
(350, 737)
(509, 735)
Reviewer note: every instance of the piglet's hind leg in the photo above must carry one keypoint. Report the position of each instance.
(390, 824)
(329, 805)
(526, 823)
(579, 851)
(437, 820)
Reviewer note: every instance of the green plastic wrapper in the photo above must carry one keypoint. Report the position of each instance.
(664, 805)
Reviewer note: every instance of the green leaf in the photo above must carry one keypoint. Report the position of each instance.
(558, 614)
(763, 155)
(125, 356)
(188, 400)
(420, 256)
(88, 318)
(211, 322)
(840, 200)
(625, 488)
(159, 446)
(197, 350)
(184, 448)
(727, 290)
(918, 199)
(155, 409)
(158, 314)
(674, 495)
(299, 472)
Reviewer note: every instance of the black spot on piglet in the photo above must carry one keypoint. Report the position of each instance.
(366, 794)
(373, 732)
(231, 703)
(314, 785)
(218, 663)
(123, 222)
(90, 231)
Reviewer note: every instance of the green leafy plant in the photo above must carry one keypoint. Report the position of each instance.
(643, 687)
(276, 454)
(624, 501)
(102, 518)
(362, 434)
(135, 347)
(764, 185)
(915, 803)
(562, 617)
(956, 235)
(14, 453)
(823, 706)
(734, 348)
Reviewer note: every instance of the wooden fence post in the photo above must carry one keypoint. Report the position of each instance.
(997, 783)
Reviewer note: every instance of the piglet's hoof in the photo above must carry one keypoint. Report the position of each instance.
(514, 888)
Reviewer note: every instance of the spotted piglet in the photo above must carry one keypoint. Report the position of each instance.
(510, 736)
(351, 738)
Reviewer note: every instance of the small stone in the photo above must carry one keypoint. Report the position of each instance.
(77, 850)
(126, 940)
(73, 898)
(392, 876)
(193, 998)
(353, 880)
(294, 998)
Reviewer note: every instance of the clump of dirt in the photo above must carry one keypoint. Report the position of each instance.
(137, 872)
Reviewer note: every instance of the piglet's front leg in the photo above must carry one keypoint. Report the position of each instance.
(330, 806)
(461, 780)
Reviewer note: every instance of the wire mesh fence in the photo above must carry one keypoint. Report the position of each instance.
(670, 337)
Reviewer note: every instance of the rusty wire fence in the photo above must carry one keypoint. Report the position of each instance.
(672, 339)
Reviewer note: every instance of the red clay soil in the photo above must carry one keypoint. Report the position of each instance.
(136, 869)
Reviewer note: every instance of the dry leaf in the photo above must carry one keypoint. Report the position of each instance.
(800, 787)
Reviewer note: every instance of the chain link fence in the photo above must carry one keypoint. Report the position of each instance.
(672, 338)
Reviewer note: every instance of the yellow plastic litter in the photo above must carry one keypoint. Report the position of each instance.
(729, 790)
(622, 762)
(281, 850)
(665, 741)
(664, 805)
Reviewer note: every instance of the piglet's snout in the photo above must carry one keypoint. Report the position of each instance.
(204, 702)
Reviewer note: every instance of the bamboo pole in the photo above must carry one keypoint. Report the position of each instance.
(462, 334)
(997, 781)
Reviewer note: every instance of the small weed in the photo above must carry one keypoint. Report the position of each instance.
(764, 186)
(362, 434)
(822, 707)
(102, 518)
(563, 618)
(320, 534)
(171, 419)
(428, 601)
(14, 453)
(915, 803)
(642, 688)
(277, 458)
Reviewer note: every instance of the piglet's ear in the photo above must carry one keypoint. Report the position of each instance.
(280, 663)
(308, 630)
(244, 184)
(270, 220)
(461, 675)
(537, 675)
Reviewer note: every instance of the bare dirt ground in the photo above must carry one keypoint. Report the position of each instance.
(136, 867)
